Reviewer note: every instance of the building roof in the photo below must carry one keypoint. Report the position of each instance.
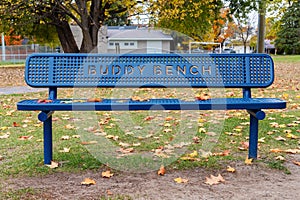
(137, 34)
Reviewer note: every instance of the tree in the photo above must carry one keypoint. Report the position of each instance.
(288, 37)
(244, 31)
(89, 15)
(193, 17)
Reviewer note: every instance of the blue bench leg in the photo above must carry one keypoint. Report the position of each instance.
(253, 137)
(48, 141)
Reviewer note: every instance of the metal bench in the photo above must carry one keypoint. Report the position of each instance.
(243, 71)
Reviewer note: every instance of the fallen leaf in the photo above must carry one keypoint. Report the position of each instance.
(276, 150)
(248, 161)
(5, 136)
(94, 100)
(279, 138)
(280, 158)
(88, 181)
(1, 158)
(107, 174)
(25, 137)
(53, 165)
(108, 192)
(296, 163)
(65, 137)
(202, 97)
(88, 142)
(193, 155)
(213, 180)
(161, 171)
(230, 169)
(44, 101)
(65, 150)
(15, 124)
(292, 136)
(181, 180)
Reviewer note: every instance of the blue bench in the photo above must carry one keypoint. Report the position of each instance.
(243, 71)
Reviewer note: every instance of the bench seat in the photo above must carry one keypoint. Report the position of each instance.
(153, 104)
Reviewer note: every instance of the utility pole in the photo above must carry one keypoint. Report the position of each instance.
(3, 47)
(261, 27)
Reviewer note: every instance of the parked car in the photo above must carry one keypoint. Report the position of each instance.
(228, 50)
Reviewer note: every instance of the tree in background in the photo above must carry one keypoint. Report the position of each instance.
(191, 17)
(27, 18)
(288, 37)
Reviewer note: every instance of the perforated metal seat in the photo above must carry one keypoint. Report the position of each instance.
(153, 104)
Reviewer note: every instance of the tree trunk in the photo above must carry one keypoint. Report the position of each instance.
(66, 38)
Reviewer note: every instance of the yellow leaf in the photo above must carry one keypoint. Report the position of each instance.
(248, 161)
(193, 155)
(107, 174)
(88, 181)
(261, 140)
(230, 169)
(292, 136)
(181, 180)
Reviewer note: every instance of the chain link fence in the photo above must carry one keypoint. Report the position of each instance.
(18, 53)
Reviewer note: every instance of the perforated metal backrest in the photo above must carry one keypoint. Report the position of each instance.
(149, 70)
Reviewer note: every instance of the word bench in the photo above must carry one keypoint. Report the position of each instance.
(244, 71)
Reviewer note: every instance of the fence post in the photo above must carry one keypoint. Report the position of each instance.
(3, 47)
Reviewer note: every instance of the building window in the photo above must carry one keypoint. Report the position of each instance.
(131, 43)
(126, 44)
(111, 44)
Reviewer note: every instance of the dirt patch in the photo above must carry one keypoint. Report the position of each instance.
(248, 182)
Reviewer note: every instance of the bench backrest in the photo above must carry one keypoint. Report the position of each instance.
(149, 70)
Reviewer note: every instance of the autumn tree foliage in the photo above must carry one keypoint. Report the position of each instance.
(191, 17)
(28, 16)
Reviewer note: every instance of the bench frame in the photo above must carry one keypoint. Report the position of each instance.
(244, 71)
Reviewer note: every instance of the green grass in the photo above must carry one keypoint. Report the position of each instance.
(286, 58)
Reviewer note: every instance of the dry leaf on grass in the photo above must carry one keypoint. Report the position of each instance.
(53, 165)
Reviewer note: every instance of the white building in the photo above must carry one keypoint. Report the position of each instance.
(128, 39)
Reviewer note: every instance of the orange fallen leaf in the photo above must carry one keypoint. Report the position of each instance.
(88, 142)
(202, 97)
(94, 100)
(88, 181)
(107, 174)
(161, 171)
(213, 180)
(296, 163)
(108, 192)
(25, 137)
(181, 180)
(15, 124)
(276, 150)
(44, 101)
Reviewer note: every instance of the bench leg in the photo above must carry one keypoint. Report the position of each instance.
(253, 137)
(48, 141)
